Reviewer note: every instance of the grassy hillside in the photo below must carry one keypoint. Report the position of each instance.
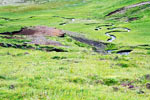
(80, 73)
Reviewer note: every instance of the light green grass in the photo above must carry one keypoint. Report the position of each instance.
(80, 73)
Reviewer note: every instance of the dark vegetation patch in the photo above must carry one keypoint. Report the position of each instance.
(96, 79)
(32, 17)
(8, 19)
(132, 19)
(80, 44)
(77, 80)
(58, 57)
(123, 65)
(110, 81)
(62, 23)
(91, 23)
(35, 47)
(144, 45)
(1, 24)
(2, 77)
(12, 37)
(19, 54)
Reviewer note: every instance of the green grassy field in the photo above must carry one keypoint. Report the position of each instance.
(80, 73)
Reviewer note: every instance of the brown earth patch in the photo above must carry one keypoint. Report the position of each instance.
(38, 30)
(37, 35)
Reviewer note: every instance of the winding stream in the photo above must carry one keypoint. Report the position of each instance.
(96, 44)
(113, 37)
(99, 46)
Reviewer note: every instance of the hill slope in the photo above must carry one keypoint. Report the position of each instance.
(59, 62)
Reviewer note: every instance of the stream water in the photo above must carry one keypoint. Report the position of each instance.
(113, 37)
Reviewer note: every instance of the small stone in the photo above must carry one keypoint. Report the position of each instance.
(131, 87)
(11, 87)
(8, 53)
(99, 82)
(116, 58)
(26, 53)
(148, 85)
(124, 84)
(115, 88)
(76, 61)
(147, 76)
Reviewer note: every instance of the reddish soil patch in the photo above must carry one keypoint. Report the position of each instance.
(40, 30)
(37, 35)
